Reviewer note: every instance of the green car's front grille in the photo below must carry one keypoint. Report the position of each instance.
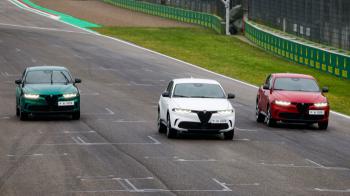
(46, 108)
(51, 100)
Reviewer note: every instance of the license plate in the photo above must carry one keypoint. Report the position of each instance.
(65, 103)
(218, 121)
(316, 112)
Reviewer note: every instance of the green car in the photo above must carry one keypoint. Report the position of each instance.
(47, 90)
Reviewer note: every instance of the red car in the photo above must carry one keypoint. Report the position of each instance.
(292, 98)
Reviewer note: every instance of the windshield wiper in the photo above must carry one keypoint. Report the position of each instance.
(51, 78)
(181, 96)
(201, 97)
(65, 77)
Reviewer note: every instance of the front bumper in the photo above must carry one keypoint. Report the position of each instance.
(190, 123)
(44, 105)
(293, 114)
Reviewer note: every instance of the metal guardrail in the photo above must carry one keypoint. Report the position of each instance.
(312, 56)
(203, 19)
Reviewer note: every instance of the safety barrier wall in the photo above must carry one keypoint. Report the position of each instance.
(203, 19)
(327, 61)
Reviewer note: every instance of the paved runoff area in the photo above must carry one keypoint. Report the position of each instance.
(115, 148)
(108, 15)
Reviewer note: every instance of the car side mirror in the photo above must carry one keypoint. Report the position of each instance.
(266, 87)
(166, 94)
(231, 96)
(77, 80)
(325, 89)
(18, 82)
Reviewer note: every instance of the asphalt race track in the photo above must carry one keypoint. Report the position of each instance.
(115, 148)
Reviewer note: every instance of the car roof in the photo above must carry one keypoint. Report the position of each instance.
(292, 75)
(195, 80)
(45, 67)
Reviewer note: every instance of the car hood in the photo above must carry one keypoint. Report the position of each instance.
(202, 104)
(49, 89)
(299, 97)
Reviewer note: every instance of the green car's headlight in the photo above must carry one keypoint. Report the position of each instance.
(31, 96)
(70, 95)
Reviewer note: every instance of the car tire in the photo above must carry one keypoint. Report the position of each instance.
(270, 122)
(170, 132)
(161, 127)
(17, 111)
(259, 117)
(323, 125)
(76, 115)
(229, 135)
(23, 115)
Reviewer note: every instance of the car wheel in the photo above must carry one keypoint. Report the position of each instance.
(229, 135)
(161, 127)
(259, 117)
(323, 125)
(170, 132)
(268, 119)
(17, 111)
(23, 115)
(76, 115)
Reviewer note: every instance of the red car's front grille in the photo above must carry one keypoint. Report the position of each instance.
(302, 107)
(300, 116)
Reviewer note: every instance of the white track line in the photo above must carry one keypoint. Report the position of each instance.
(94, 177)
(75, 140)
(154, 140)
(245, 130)
(166, 56)
(129, 121)
(40, 28)
(244, 139)
(333, 190)
(313, 162)
(70, 132)
(26, 7)
(37, 155)
(134, 188)
(109, 111)
(291, 165)
(225, 188)
(81, 140)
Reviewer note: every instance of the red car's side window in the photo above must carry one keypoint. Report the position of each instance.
(268, 81)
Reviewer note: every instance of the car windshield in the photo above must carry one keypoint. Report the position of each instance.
(47, 76)
(198, 90)
(296, 84)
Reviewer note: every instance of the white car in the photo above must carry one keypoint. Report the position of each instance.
(196, 106)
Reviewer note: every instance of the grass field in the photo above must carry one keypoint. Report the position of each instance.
(228, 56)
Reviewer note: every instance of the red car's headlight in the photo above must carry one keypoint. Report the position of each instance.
(282, 103)
(321, 105)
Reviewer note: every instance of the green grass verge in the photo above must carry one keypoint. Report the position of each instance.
(228, 56)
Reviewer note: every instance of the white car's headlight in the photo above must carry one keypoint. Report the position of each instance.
(321, 105)
(183, 111)
(282, 103)
(31, 96)
(230, 111)
(69, 95)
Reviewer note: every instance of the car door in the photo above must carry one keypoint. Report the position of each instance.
(164, 101)
(265, 93)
